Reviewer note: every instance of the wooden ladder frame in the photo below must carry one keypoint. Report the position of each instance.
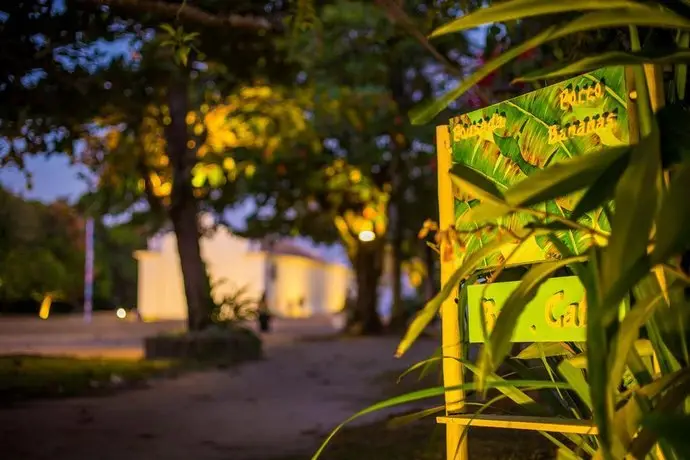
(452, 343)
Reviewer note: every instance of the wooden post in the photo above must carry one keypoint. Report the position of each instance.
(451, 330)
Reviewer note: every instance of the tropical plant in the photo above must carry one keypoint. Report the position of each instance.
(640, 261)
(233, 308)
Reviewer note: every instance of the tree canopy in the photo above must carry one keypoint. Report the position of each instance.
(42, 252)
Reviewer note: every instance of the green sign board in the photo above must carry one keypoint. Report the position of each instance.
(558, 313)
(510, 140)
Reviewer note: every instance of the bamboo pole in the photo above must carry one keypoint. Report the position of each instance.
(451, 330)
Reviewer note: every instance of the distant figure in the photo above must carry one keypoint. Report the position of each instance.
(264, 315)
(302, 308)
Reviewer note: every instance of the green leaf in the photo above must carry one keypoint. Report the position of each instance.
(198, 176)
(169, 29)
(673, 120)
(628, 332)
(609, 59)
(563, 178)
(548, 349)
(639, 15)
(548, 398)
(667, 404)
(424, 317)
(576, 379)
(597, 362)
(476, 184)
(681, 70)
(636, 204)
(521, 9)
(672, 428)
(673, 221)
(499, 342)
(622, 285)
(216, 175)
(602, 189)
(190, 36)
(483, 212)
(406, 419)
(425, 112)
(183, 55)
(434, 392)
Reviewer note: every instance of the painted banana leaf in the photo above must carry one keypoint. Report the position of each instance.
(510, 140)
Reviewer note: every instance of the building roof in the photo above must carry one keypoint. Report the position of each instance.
(288, 248)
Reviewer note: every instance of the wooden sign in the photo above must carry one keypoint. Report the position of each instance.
(508, 141)
(558, 313)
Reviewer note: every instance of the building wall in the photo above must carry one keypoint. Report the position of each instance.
(229, 258)
(337, 279)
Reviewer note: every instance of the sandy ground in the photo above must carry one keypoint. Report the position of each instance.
(278, 406)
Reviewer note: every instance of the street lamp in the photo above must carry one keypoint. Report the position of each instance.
(367, 236)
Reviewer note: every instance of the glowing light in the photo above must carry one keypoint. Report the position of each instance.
(121, 313)
(367, 235)
(44, 311)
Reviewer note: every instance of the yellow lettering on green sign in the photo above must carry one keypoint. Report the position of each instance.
(490, 313)
(570, 97)
(575, 314)
(484, 125)
(582, 128)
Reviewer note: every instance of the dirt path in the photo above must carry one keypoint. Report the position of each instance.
(259, 411)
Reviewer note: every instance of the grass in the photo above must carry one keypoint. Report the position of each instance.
(424, 440)
(29, 377)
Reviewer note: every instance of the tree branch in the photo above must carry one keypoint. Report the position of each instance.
(397, 15)
(187, 13)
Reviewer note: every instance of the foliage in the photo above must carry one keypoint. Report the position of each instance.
(233, 308)
(365, 72)
(42, 251)
(194, 39)
(228, 136)
(59, 53)
(639, 262)
(424, 440)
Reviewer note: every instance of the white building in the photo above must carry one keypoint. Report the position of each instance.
(304, 284)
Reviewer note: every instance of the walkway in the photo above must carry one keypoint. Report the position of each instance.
(262, 410)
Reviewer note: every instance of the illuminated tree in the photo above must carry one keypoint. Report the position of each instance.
(55, 82)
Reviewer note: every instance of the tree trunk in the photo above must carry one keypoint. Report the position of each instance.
(184, 209)
(364, 319)
(399, 316)
(399, 147)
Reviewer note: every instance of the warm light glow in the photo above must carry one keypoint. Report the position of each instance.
(367, 235)
(121, 313)
(44, 311)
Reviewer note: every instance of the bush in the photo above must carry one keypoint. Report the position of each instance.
(216, 345)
